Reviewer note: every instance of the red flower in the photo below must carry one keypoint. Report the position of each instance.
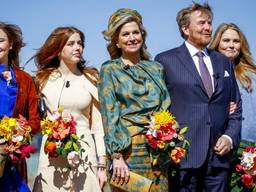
(159, 134)
(249, 149)
(72, 125)
(149, 137)
(153, 144)
(239, 168)
(26, 150)
(247, 179)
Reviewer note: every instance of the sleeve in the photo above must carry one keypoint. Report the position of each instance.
(166, 101)
(33, 114)
(235, 119)
(97, 128)
(117, 138)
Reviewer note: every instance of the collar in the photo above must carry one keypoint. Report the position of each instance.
(193, 50)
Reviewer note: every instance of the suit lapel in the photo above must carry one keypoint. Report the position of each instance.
(189, 64)
(216, 65)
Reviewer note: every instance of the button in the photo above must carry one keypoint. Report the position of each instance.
(208, 123)
(243, 118)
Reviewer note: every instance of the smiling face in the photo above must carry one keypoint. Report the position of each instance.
(5, 47)
(72, 51)
(130, 39)
(199, 30)
(230, 44)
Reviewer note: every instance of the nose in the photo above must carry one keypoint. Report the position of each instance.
(131, 37)
(78, 46)
(231, 44)
(208, 26)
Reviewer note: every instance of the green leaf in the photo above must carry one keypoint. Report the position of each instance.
(75, 146)
(74, 136)
(183, 130)
(64, 153)
(185, 144)
(82, 136)
(59, 150)
(68, 145)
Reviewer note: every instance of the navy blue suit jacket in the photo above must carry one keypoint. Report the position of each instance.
(207, 118)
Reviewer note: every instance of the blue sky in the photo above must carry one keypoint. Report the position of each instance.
(37, 20)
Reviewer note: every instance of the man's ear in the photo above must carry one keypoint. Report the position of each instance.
(185, 30)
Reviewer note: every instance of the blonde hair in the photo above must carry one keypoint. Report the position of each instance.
(244, 63)
(116, 21)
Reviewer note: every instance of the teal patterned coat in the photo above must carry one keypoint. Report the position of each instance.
(128, 97)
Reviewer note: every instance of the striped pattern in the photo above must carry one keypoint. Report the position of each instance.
(206, 118)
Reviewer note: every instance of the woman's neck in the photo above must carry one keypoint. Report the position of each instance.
(130, 60)
(66, 69)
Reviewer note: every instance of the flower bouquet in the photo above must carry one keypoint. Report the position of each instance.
(62, 139)
(166, 139)
(244, 178)
(15, 140)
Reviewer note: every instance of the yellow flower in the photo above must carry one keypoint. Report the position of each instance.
(12, 122)
(154, 162)
(6, 126)
(163, 118)
(46, 127)
(60, 110)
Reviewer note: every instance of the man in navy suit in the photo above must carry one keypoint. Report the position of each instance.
(202, 85)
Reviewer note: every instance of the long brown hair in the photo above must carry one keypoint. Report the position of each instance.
(47, 60)
(14, 35)
(244, 64)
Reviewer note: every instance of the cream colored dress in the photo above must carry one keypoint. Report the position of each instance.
(77, 98)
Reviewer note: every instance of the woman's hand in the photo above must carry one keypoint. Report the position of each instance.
(120, 171)
(232, 107)
(102, 176)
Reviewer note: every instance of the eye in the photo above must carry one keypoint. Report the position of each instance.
(226, 40)
(236, 40)
(70, 43)
(136, 32)
(2, 39)
(125, 34)
(80, 43)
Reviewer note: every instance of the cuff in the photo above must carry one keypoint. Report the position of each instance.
(230, 140)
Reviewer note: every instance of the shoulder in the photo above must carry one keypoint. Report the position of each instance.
(163, 56)
(22, 75)
(153, 64)
(110, 65)
(218, 55)
(168, 53)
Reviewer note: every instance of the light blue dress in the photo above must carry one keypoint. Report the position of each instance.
(249, 111)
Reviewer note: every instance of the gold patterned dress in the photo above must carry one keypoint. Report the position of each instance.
(128, 97)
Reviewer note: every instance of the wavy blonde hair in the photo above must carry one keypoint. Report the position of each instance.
(47, 60)
(244, 64)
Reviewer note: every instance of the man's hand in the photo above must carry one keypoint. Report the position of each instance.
(223, 146)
